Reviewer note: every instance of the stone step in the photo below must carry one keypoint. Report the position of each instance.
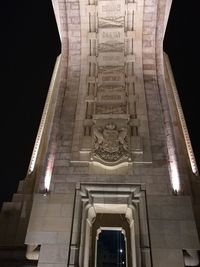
(11, 207)
(20, 186)
(25, 186)
(17, 197)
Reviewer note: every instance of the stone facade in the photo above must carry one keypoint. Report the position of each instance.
(112, 141)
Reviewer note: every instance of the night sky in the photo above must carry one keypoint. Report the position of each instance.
(29, 47)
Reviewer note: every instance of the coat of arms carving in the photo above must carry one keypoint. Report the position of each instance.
(110, 143)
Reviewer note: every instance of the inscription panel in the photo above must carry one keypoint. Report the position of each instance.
(111, 70)
(111, 59)
(111, 109)
(111, 35)
(117, 78)
(111, 47)
(111, 8)
(111, 97)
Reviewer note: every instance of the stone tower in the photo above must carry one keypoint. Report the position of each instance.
(112, 151)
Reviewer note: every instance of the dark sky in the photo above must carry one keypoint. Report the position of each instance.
(29, 47)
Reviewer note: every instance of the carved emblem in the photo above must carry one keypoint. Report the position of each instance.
(110, 143)
(105, 22)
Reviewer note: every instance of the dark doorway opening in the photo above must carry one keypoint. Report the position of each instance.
(111, 249)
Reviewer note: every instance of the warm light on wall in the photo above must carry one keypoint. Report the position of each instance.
(44, 117)
(189, 148)
(173, 165)
(170, 138)
(175, 179)
(49, 169)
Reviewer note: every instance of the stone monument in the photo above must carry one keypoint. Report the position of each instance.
(112, 151)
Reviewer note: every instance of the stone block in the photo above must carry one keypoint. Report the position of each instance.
(55, 224)
(41, 237)
(66, 210)
(158, 189)
(53, 210)
(172, 208)
(54, 254)
(63, 238)
(189, 235)
(166, 241)
(167, 257)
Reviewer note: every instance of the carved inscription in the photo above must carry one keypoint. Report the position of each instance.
(110, 97)
(111, 8)
(112, 88)
(107, 35)
(111, 69)
(111, 35)
(111, 78)
(111, 59)
(111, 109)
(114, 78)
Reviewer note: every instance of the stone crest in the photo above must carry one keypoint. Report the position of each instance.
(110, 143)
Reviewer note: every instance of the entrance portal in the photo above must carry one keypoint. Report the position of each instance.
(111, 249)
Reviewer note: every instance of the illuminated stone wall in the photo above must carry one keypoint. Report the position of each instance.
(115, 143)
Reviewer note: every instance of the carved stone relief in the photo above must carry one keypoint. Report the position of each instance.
(110, 97)
(111, 47)
(111, 69)
(105, 22)
(111, 8)
(113, 78)
(114, 35)
(111, 59)
(111, 88)
(110, 80)
(110, 143)
(111, 109)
